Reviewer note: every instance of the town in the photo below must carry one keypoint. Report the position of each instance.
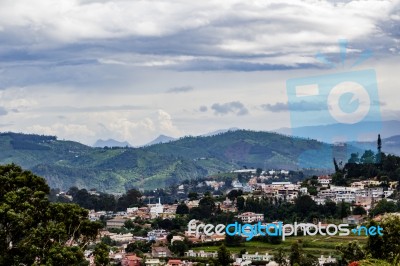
(155, 233)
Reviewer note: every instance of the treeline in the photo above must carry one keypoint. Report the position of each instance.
(99, 201)
(28, 137)
(385, 167)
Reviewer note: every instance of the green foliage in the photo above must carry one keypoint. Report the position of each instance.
(182, 209)
(179, 247)
(36, 231)
(386, 247)
(101, 254)
(132, 198)
(351, 252)
(224, 256)
(66, 163)
(139, 245)
(233, 241)
(193, 196)
(298, 257)
(384, 206)
(359, 210)
(280, 258)
(108, 241)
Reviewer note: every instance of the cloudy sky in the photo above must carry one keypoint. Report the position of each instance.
(134, 69)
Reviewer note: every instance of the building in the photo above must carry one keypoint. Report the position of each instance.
(156, 209)
(257, 257)
(116, 222)
(153, 262)
(251, 217)
(201, 254)
(174, 263)
(160, 252)
(324, 180)
(177, 238)
(355, 219)
(323, 260)
(131, 260)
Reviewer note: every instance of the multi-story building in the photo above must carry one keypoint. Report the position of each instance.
(251, 217)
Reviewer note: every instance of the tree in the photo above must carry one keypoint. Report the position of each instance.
(129, 224)
(280, 258)
(295, 254)
(193, 196)
(258, 171)
(368, 157)
(182, 209)
(387, 246)
(132, 198)
(138, 245)
(240, 203)
(179, 247)
(101, 254)
(224, 256)
(234, 193)
(233, 241)
(383, 206)
(359, 210)
(354, 158)
(35, 231)
(351, 252)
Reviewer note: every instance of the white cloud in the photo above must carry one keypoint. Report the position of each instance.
(104, 67)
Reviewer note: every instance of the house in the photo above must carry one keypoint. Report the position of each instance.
(131, 260)
(160, 252)
(153, 262)
(174, 263)
(324, 180)
(156, 209)
(201, 254)
(355, 219)
(251, 217)
(122, 238)
(257, 257)
(322, 260)
(241, 262)
(116, 222)
(177, 238)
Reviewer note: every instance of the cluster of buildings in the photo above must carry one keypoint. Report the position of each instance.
(362, 193)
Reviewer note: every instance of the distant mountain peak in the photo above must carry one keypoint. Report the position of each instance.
(220, 131)
(100, 143)
(160, 139)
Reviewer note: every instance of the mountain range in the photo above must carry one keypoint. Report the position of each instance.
(363, 131)
(68, 163)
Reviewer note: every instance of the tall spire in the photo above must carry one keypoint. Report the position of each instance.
(379, 146)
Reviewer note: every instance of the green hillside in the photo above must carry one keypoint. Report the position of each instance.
(67, 163)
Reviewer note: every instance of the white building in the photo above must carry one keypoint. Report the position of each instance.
(251, 217)
(156, 209)
(322, 260)
(257, 257)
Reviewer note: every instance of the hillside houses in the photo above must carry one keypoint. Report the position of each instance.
(366, 193)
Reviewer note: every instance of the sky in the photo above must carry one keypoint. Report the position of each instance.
(131, 70)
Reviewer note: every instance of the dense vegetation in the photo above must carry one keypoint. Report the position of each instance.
(35, 231)
(65, 163)
(384, 167)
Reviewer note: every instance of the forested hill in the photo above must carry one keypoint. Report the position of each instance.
(67, 163)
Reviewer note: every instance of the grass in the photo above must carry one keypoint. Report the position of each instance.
(315, 245)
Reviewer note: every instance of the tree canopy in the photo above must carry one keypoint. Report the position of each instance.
(35, 231)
